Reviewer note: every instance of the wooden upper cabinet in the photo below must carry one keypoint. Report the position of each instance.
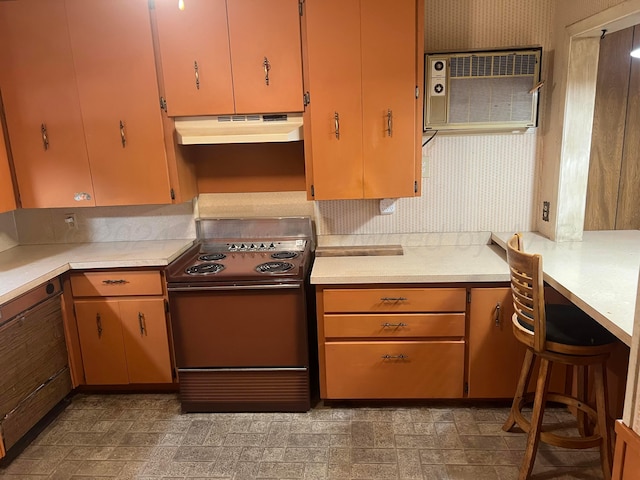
(194, 52)
(265, 55)
(115, 70)
(362, 72)
(214, 53)
(42, 108)
(7, 196)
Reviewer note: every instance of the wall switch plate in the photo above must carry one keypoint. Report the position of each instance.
(70, 220)
(387, 206)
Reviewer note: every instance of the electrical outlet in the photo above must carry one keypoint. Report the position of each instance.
(425, 166)
(545, 211)
(387, 206)
(70, 220)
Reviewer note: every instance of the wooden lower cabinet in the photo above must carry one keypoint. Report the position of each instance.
(381, 370)
(626, 459)
(122, 327)
(391, 342)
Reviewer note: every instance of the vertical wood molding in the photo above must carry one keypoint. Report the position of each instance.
(576, 141)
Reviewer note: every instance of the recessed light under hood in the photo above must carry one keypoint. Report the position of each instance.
(239, 129)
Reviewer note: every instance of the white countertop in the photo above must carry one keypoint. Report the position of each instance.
(598, 274)
(27, 266)
(428, 264)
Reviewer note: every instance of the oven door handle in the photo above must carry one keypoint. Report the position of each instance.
(270, 286)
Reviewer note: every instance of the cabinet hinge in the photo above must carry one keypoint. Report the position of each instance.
(465, 389)
(173, 194)
(163, 104)
(415, 187)
(469, 297)
(313, 191)
(300, 3)
(417, 91)
(306, 98)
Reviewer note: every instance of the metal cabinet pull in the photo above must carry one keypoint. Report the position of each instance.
(497, 315)
(389, 123)
(99, 324)
(115, 282)
(336, 120)
(197, 74)
(143, 326)
(267, 66)
(123, 135)
(394, 299)
(402, 356)
(397, 325)
(45, 136)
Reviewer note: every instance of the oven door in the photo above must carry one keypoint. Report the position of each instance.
(239, 326)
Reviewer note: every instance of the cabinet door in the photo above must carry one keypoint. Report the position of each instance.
(334, 77)
(194, 50)
(495, 356)
(145, 340)
(389, 98)
(42, 106)
(266, 35)
(7, 196)
(101, 342)
(115, 69)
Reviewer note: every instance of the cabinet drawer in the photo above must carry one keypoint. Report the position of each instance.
(364, 370)
(393, 325)
(395, 300)
(104, 284)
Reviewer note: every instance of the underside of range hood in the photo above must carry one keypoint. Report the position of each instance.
(239, 129)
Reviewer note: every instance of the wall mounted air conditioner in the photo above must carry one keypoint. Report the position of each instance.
(482, 91)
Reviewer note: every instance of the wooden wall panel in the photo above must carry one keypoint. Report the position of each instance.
(608, 135)
(255, 167)
(628, 214)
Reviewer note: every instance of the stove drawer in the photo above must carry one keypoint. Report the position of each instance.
(394, 300)
(116, 283)
(382, 325)
(388, 370)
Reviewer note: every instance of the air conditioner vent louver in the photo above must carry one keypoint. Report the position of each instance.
(493, 65)
(476, 91)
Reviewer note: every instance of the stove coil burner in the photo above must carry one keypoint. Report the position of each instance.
(283, 255)
(274, 267)
(205, 269)
(211, 257)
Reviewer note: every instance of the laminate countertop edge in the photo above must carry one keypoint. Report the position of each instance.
(26, 266)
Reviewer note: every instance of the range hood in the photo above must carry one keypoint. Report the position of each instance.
(239, 129)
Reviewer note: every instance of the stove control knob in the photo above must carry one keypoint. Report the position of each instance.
(233, 247)
(243, 246)
(272, 246)
(262, 246)
(252, 247)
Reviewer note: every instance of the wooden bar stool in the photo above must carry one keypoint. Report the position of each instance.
(556, 334)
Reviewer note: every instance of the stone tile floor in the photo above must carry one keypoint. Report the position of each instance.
(144, 436)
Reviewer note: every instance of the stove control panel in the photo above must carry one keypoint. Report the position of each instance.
(256, 246)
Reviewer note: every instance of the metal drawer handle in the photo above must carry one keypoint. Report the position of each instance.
(394, 299)
(267, 66)
(197, 74)
(123, 135)
(402, 356)
(389, 123)
(143, 324)
(336, 120)
(498, 316)
(115, 282)
(45, 136)
(99, 325)
(387, 324)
